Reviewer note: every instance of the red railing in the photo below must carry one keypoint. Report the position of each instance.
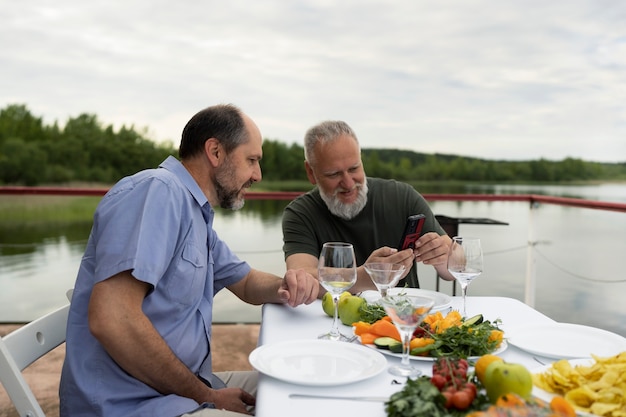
(290, 195)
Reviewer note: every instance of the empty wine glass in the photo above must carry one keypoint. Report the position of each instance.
(465, 262)
(336, 271)
(406, 312)
(384, 275)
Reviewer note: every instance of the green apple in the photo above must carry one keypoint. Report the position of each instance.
(327, 302)
(350, 309)
(504, 378)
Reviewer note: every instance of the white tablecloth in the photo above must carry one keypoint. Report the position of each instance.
(281, 323)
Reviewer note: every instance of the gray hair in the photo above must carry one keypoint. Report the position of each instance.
(324, 132)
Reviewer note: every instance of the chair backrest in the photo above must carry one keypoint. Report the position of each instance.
(24, 346)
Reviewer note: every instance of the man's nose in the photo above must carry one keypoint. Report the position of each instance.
(347, 181)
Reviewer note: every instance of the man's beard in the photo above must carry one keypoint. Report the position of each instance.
(228, 197)
(346, 211)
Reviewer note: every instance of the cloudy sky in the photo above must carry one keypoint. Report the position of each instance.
(497, 79)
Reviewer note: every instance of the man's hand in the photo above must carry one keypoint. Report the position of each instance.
(432, 249)
(232, 399)
(298, 287)
(393, 256)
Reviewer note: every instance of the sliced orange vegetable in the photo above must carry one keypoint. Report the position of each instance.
(562, 407)
(418, 342)
(496, 335)
(361, 327)
(510, 400)
(385, 328)
(368, 338)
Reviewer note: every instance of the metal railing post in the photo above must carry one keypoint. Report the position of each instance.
(529, 291)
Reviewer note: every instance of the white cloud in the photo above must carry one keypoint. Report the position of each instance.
(501, 80)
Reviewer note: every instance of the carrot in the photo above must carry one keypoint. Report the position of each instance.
(361, 327)
(368, 338)
(385, 328)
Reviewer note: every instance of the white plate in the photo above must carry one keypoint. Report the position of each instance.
(442, 301)
(387, 352)
(566, 341)
(317, 362)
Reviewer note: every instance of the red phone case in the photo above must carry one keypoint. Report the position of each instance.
(412, 231)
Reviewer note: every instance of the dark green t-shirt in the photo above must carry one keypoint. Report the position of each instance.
(308, 224)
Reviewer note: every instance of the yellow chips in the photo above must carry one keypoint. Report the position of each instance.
(599, 388)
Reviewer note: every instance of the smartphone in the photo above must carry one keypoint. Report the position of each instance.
(412, 231)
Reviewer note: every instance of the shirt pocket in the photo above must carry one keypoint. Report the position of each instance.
(187, 284)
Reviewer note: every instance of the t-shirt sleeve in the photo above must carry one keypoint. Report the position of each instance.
(299, 235)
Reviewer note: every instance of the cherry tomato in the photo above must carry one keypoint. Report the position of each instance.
(448, 395)
(419, 332)
(439, 381)
(470, 388)
(461, 400)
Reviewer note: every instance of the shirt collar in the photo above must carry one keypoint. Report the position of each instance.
(174, 166)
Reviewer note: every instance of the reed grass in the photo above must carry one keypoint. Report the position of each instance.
(16, 210)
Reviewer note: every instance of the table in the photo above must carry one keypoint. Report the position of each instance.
(282, 323)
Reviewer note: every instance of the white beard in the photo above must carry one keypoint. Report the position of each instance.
(346, 211)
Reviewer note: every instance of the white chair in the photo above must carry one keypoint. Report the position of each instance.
(24, 346)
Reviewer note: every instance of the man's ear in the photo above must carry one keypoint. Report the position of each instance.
(214, 151)
(309, 173)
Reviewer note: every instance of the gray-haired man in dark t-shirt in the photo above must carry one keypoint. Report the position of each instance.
(347, 206)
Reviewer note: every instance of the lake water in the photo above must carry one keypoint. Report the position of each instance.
(577, 256)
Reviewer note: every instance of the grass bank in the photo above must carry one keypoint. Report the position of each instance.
(45, 209)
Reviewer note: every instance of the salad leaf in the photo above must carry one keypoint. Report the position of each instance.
(464, 341)
(418, 398)
(371, 313)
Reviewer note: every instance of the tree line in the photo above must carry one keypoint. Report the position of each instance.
(86, 150)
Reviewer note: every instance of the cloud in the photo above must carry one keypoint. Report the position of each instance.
(499, 80)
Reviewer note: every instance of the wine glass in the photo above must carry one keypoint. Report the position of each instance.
(406, 312)
(336, 271)
(465, 262)
(384, 275)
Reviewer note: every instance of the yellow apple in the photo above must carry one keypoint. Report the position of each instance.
(328, 305)
(349, 309)
(504, 378)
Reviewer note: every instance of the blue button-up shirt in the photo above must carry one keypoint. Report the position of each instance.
(157, 224)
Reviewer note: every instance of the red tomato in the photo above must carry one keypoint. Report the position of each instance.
(471, 389)
(448, 395)
(461, 400)
(439, 381)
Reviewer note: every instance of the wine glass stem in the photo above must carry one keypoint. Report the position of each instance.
(406, 346)
(383, 292)
(464, 286)
(334, 331)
